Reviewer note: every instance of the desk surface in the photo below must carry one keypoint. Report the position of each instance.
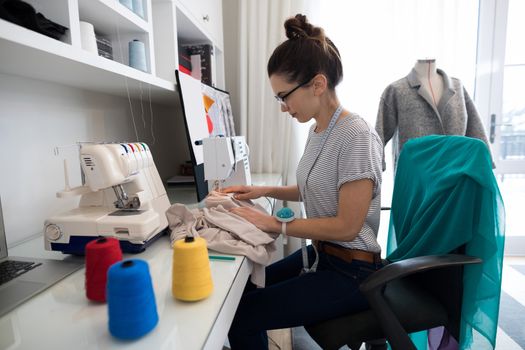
(62, 318)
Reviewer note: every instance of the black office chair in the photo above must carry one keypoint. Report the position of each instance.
(406, 296)
(415, 294)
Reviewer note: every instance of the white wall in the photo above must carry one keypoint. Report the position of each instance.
(37, 116)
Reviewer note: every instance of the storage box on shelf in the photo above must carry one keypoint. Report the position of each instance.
(177, 25)
(27, 53)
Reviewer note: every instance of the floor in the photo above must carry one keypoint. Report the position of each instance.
(511, 329)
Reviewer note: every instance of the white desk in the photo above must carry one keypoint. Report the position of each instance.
(62, 318)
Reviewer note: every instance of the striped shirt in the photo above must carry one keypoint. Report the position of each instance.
(352, 151)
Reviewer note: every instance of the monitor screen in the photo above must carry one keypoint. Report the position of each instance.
(207, 112)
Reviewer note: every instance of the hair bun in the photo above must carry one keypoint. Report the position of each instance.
(298, 27)
(306, 53)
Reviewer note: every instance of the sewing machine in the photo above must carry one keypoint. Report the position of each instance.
(226, 162)
(122, 196)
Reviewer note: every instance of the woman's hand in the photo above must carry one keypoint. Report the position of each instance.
(245, 192)
(262, 221)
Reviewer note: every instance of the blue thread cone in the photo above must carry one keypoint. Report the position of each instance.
(138, 8)
(127, 3)
(131, 302)
(137, 55)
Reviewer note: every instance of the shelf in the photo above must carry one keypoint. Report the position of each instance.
(29, 54)
(200, 21)
(187, 31)
(105, 15)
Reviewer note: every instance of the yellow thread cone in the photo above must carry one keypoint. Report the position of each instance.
(191, 275)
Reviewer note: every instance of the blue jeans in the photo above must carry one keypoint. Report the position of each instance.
(292, 299)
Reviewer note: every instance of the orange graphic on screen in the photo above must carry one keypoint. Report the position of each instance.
(208, 104)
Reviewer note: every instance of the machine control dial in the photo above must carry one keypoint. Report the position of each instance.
(53, 232)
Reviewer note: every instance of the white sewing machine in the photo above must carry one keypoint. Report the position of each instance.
(226, 161)
(122, 196)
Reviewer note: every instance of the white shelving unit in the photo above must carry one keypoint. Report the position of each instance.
(166, 24)
(187, 22)
(33, 55)
(26, 53)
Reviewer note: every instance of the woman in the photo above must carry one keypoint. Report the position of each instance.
(339, 181)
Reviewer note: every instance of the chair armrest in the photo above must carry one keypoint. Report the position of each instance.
(372, 288)
(411, 266)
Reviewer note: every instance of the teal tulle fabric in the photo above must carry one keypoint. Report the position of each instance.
(446, 196)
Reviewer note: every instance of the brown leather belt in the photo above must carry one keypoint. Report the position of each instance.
(347, 254)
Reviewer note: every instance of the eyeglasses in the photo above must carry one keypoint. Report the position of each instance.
(282, 99)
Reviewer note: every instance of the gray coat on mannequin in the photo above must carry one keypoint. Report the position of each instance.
(426, 102)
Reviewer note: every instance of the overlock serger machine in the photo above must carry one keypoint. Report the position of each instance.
(226, 161)
(122, 196)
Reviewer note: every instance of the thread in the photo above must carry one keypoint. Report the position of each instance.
(138, 7)
(100, 255)
(132, 310)
(191, 274)
(126, 83)
(137, 55)
(88, 40)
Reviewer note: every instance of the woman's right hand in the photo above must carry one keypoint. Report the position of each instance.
(245, 192)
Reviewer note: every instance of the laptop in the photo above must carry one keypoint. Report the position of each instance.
(21, 278)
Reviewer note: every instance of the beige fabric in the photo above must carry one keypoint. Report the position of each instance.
(224, 231)
(280, 339)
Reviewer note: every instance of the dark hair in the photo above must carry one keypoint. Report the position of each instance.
(307, 52)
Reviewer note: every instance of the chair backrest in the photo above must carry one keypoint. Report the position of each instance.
(446, 198)
(446, 287)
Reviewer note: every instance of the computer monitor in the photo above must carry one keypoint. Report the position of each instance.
(207, 112)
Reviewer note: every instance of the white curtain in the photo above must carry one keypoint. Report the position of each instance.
(380, 40)
(276, 142)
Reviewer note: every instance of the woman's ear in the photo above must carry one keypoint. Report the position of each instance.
(320, 84)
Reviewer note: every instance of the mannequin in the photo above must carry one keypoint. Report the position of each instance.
(430, 80)
(426, 102)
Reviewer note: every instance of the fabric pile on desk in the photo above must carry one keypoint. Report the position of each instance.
(224, 231)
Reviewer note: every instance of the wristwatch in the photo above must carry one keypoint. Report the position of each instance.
(285, 215)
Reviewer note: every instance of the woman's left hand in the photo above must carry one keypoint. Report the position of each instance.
(262, 221)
